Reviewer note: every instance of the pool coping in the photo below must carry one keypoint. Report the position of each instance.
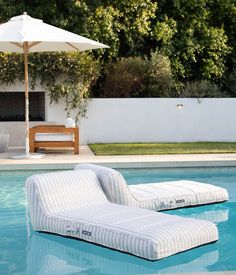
(116, 163)
(67, 160)
(113, 163)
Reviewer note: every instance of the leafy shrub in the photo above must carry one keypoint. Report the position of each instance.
(125, 78)
(75, 73)
(231, 83)
(138, 77)
(200, 89)
(159, 80)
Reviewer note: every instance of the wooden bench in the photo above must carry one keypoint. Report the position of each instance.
(54, 129)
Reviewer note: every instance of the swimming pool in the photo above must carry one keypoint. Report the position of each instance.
(23, 251)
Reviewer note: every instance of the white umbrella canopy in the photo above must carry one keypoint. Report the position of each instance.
(41, 37)
(24, 34)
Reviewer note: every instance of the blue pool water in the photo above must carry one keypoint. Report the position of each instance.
(23, 251)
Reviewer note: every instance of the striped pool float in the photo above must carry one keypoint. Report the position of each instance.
(155, 196)
(72, 203)
(52, 255)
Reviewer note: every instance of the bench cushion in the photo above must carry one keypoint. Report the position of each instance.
(53, 137)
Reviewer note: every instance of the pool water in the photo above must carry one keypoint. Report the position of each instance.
(23, 251)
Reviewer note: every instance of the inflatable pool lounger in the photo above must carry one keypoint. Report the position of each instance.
(155, 196)
(72, 203)
(52, 255)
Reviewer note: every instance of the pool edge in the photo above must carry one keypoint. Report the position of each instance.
(119, 164)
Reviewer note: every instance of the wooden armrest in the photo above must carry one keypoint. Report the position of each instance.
(53, 129)
(47, 126)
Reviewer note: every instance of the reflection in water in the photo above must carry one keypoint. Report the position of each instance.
(216, 216)
(51, 254)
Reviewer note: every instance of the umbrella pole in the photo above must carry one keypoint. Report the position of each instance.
(27, 155)
(26, 50)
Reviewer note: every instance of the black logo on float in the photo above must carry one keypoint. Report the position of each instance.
(71, 230)
(180, 201)
(87, 233)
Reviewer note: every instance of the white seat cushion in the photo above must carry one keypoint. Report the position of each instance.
(53, 137)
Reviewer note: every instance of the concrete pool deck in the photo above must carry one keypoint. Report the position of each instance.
(67, 160)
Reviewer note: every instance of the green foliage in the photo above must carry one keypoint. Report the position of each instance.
(215, 48)
(197, 44)
(75, 73)
(223, 14)
(103, 25)
(164, 31)
(159, 80)
(123, 25)
(65, 75)
(231, 83)
(198, 36)
(201, 89)
(139, 77)
(11, 68)
(125, 78)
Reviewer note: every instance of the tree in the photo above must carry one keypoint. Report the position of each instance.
(196, 48)
(198, 36)
(123, 25)
(159, 80)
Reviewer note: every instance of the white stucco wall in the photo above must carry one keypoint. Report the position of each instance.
(156, 119)
(147, 120)
(143, 120)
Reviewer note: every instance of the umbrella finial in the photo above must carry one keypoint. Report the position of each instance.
(24, 13)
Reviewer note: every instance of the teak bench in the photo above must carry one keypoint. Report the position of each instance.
(54, 129)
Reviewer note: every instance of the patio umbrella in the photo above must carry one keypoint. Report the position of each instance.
(24, 34)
